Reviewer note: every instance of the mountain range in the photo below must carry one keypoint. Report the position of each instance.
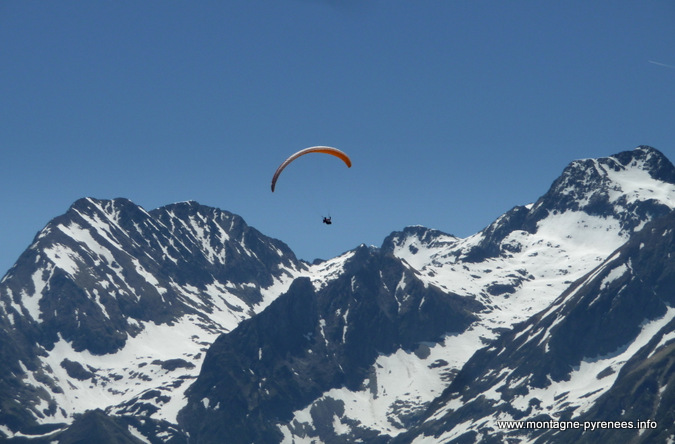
(184, 324)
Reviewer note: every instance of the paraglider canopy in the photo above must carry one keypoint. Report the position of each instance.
(314, 149)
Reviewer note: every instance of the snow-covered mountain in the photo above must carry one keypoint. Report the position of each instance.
(602, 351)
(114, 307)
(184, 323)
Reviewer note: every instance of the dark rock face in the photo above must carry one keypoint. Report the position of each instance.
(310, 341)
(96, 426)
(76, 370)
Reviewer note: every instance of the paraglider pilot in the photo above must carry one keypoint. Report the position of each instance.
(327, 221)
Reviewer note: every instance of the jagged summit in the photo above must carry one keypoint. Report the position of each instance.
(651, 160)
(154, 265)
(611, 186)
(192, 208)
(423, 236)
(629, 188)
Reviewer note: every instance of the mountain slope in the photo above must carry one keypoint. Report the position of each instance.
(602, 351)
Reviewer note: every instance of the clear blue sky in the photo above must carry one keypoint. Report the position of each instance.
(452, 111)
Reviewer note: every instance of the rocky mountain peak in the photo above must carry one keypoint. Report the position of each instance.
(412, 238)
(611, 185)
(630, 188)
(106, 276)
(649, 159)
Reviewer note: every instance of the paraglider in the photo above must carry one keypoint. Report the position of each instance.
(314, 149)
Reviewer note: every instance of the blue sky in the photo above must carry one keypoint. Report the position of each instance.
(452, 111)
